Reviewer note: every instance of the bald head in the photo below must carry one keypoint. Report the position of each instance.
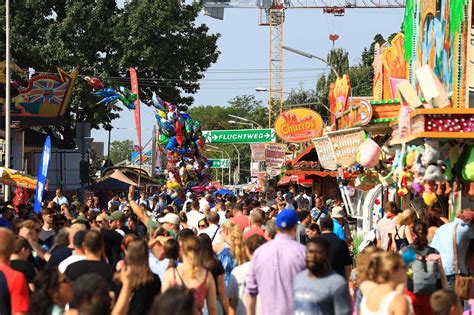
(213, 217)
(7, 245)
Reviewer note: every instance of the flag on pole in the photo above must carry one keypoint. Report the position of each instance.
(134, 83)
(42, 174)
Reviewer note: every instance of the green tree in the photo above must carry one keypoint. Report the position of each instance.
(159, 37)
(121, 150)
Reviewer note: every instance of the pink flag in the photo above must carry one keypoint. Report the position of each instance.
(134, 83)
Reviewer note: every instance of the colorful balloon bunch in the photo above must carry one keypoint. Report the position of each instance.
(111, 95)
(182, 140)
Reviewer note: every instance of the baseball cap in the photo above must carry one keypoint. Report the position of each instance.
(288, 195)
(116, 215)
(329, 202)
(189, 194)
(162, 195)
(286, 219)
(338, 212)
(265, 209)
(169, 218)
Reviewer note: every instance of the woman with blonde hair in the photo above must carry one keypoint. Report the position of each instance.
(402, 234)
(230, 252)
(144, 284)
(193, 275)
(389, 272)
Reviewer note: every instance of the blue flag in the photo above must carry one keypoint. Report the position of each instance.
(42, 174)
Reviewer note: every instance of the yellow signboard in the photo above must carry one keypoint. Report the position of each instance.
(299, 125)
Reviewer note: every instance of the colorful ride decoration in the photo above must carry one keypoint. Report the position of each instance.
(46, 95)
(299, 125)
(436, 34)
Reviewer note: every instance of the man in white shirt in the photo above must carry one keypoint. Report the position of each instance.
(194, 216)
(213, 229)
(78, 253)
(143, 199)
(60, 199)
(204, 201)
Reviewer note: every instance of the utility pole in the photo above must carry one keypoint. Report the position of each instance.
(7, 96)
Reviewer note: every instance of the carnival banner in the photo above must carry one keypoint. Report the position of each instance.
(42, 174)
(345, 145)
(299, 125)
(14, 178)
(325, 153)
(274, 158)
(258, 152)
(134, 83)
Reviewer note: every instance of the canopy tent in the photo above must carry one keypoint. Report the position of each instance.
(114, 181)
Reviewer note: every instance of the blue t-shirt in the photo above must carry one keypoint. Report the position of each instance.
(443, 243)
(338, 230)
(321, 296)
(6, 224)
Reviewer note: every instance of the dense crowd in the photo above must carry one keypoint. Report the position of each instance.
(272, 252)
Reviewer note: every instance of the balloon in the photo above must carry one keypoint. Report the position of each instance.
(161, 113)
(95, 83)
(109, 99)
(158, 102)
(172, 144)
(164, 139)
(179, 133)
(105, 92)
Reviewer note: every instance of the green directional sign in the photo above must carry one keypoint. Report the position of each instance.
(240, 136)
(220, 163)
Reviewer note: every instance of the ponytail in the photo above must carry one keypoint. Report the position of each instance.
(192, 249)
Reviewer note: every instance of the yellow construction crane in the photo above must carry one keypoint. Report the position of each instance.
(272, 14)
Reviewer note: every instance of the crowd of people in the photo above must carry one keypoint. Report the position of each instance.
(272, 252)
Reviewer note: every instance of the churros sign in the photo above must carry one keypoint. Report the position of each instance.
(299, 125)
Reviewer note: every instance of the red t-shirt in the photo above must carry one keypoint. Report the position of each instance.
(253, 231)
(242, 221)
(19, 296)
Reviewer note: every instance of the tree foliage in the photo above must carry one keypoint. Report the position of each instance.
(121, 150)
(158, 37)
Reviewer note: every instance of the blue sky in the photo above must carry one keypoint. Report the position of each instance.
(244, 48)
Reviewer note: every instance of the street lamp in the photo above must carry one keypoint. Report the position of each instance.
(240, 123)
(308, 55)
(238, 161)
(264, 89)
(244, 119)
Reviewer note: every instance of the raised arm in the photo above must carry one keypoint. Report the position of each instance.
(139, 211)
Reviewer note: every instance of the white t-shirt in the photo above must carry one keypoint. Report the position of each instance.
(383, 230)
(236, 288)
(202, 203)
(194, 217)
(70, 260)
(61, 200)
(212, 231)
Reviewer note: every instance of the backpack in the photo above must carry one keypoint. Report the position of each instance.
(425, 272)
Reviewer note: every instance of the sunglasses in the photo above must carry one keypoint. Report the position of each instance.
(100, 222)
(202, 226)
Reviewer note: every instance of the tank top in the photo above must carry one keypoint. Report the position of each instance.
(384, 306)
(200, 292)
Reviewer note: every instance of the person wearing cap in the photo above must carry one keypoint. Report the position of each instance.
(443, 243)
(6, 216)
(273, 268)
(289, 201)
(170, 222)
(47, 232)
(116, 221)
(161, 204)
(338, 214)
(188, 201)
